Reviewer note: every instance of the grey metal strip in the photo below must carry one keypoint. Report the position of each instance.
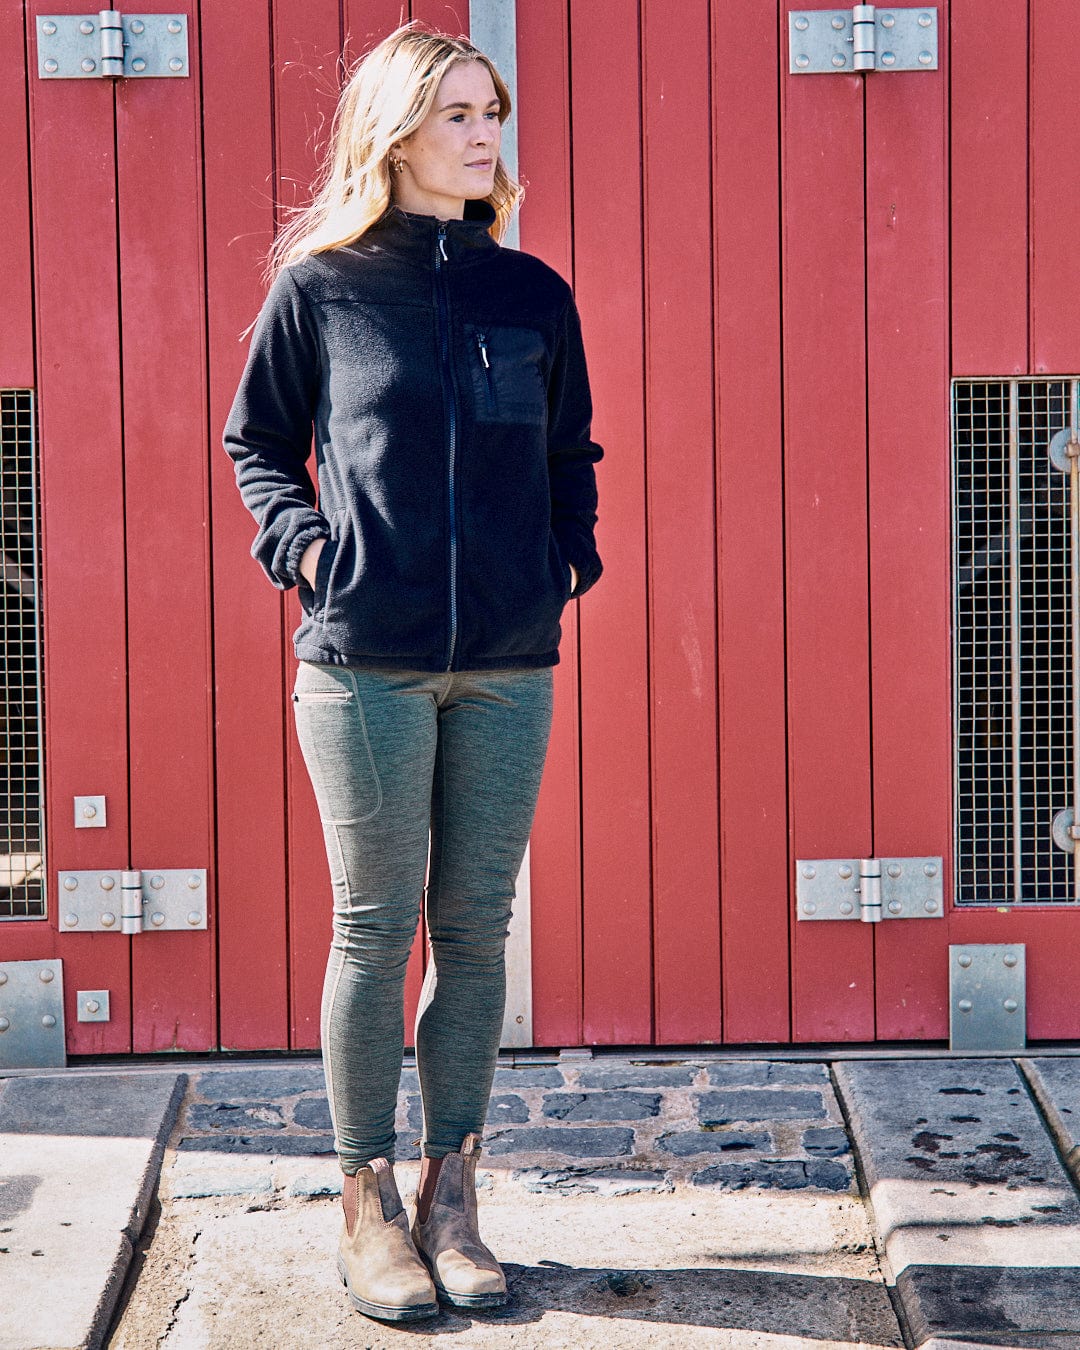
(493, 28)
(1015, 636)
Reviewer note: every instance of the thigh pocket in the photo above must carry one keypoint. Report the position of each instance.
(333, 736)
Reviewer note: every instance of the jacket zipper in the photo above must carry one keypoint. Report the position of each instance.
(481, 342)
(451, 403)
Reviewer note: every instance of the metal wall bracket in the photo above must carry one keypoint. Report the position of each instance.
(869, 889)
(132, 902)
(865, 37)
(32, 1015)
(987, 996)
(112, 45)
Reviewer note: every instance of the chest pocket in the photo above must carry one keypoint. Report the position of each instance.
(507, 368)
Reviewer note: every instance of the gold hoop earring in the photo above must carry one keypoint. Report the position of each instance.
(397, 165)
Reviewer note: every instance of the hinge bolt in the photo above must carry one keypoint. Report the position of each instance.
(925, 21)
(801, 61)
(838, 24)
(801, 24)
(4, 1024)
(71, 920)
(107, 882)
(964, 961)
(894, 869)
(174, 25)
(930, 870)
(138, 65)
(194, 918)
(895, 907)
(137, 26)
(107, 920)
(845, 872)
(809, 907)
(964, 1005)
(925, 58)
(839, 61)
(930, 906)
(809, 873)
(46, 976)
(888, 21)
(89, 66)
(48, 1021)
(71, 884)
(194, 882)
(847, 907)
(86, 27)
(888, 59)
(157, 919)
(52, 66)
(3, 977)
(48, 29)
(157, 882)
(176, 64)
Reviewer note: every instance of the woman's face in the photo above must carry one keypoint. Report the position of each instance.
(450, 158)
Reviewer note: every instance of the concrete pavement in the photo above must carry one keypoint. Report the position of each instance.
(705, 1201)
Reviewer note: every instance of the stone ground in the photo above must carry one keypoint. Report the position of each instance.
(689, 1204)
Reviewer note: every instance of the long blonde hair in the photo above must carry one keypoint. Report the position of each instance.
(386, 96)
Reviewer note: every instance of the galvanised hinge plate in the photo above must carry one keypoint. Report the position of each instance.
(112, 45)
(32, 1015)
(987, 996)
(869, 889)
(865, 37)
(132, 902)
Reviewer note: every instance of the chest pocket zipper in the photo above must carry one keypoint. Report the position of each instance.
(489, 382)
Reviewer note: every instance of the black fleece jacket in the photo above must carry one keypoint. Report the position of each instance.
(445, 382)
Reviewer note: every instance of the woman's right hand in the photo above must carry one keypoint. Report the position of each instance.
(310, 561)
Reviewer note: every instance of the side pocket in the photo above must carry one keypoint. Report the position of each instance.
(324, 572)
(333, 735)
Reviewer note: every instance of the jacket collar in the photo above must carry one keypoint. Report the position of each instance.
(414, 238)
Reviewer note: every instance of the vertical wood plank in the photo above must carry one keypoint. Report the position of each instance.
(907, 280)
(605, 102)
(754, 886)
(445, 16)
(366, 23)
(1054, 154)
(987, 48)
(826, 508)
(543, 127)
(248, 659)
(166, 513)
(681, 523)
(82, 486)
(17, 330)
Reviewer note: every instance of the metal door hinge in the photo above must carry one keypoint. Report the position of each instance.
(870, 889)
(132, 902)
(112, 45)
(865, 37)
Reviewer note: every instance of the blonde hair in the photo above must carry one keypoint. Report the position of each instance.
(385, 98)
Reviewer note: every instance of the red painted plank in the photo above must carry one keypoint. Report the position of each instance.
(17, 330)
(250, 753)
(367, 22)
(446, 16)
(1054, 153)
(78, 360)
(614, 653)
(825, 478)
(542, 117)
(989, 168)
(681, 524)
(165, 478)
(754, 883)
(907, 195)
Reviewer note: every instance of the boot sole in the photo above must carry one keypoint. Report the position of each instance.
(407, 1312)
(471, 1300)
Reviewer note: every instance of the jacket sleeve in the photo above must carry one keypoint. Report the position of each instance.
(269, 428)
(572, 454)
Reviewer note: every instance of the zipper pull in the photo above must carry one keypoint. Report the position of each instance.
(442, 242)
(481, 342)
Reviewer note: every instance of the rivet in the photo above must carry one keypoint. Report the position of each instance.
(89, 66)
(888, 21)
(845, 872)
(86, 27)
(3, 977)
(89, 812)
(964, 960)
(925, 58)
(48, 1021)
(48, 28)
(838, 24)
(964, 1005)
(194, 881)
(1009, 959)
(930, 906)
(801, 61)
(894, 869)
(176, 64)
(888, 59)
(92, 1005)
(137, 26)
(802, 23)
(174, 25)
(194, 918)
(1010, 1005)
(157, 919)
(107, 920)
(895, 907)
(809, 907)
(138, 64)
(46, 976)
(4, 1024)
(71, 920)
(839, 60)
(809, 873)
(930, 869)
(925, 21)
(107, 882)
(846, 907)
(519, 1019)
(51, 66)
(157, 881)
(71, 883)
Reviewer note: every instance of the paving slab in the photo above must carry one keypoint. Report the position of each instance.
(79, 1162)
(1055, 1083)
(979, 1219)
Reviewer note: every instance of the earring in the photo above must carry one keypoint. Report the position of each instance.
(397, 165)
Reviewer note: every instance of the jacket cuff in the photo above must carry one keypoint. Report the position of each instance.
(298, 546)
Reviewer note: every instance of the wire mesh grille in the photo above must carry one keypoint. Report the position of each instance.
(22, 891)
(1012, 641)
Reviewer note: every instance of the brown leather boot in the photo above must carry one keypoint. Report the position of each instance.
(465, 1272)
(377, 1261)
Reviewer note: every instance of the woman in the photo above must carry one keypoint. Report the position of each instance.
(445, 382)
